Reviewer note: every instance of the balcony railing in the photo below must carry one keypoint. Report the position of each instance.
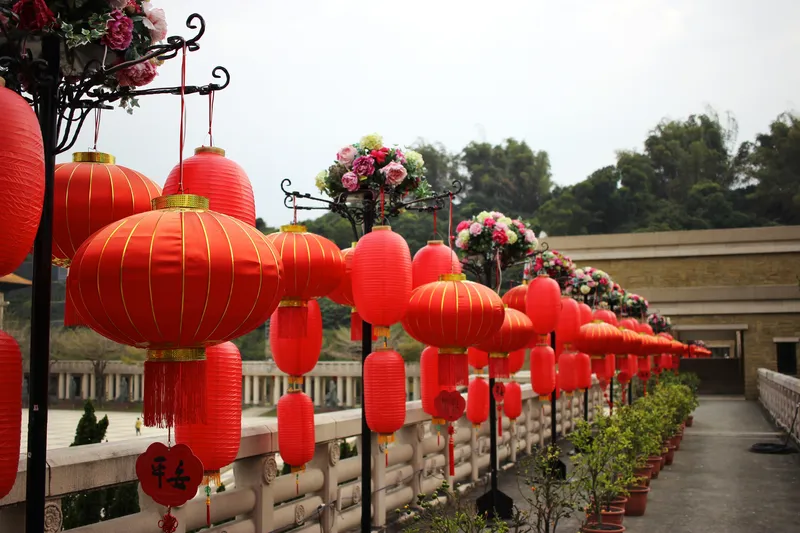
(780, 396)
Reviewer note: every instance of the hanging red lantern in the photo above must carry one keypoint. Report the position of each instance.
(516, 297)
(598, 368)
(516, 360)
(611, 365)
(10, 407)
(543, 370)
(583, 371)
(314, 268)
(385, 394)
(644, 368)
(429, 381)
(174, 281)
(343, 294)
(514, 334)
(21, 179)
(569, 323)
(210, 174)
(431, 261)
(585, 313)
(605, 315)
(478, 359)
(512, 401)
(296, 438)
(568, 372)
(543, 304)
(478, 402)
(89, 194)
(453, 314)
(382, 279)
(296, 356)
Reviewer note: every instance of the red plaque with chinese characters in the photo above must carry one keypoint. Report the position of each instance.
(169, 475)
(499, 392)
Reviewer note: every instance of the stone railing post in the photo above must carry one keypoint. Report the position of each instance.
(413, 435)
(326, 458)
(259, 473)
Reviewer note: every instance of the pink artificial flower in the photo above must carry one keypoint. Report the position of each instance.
(131, 7)
(520, 226)
(156, 21)
(395, 173)
(137, 75)
(464, 224)
(530, 236)
(350, 181)
(475, 228)
(489, 222)
(119, 31)
(364, 165)
(399, 155)
(34, 15)
(346, 155)
(500, 237)
(501, 225)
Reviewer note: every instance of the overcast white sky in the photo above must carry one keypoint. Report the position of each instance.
(579, 79)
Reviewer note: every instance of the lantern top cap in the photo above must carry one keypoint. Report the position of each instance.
(293, 228)
(93, 157)
(524, 282)
(2, 82)
(180, 201)
(209, 150)
(353, 244)
(381, 228)
(436, 241)
(452, 277)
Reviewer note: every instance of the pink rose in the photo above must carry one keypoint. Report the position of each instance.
(530, 236)
(350, 181)
(395, 173)
(156, 21)
(475, 228)
(364, 165)
(489, 222)
(346, 155)
(119, 31)
(399, 155)
(501, 225)
(137, 75)
(500, 237)
(464, 224)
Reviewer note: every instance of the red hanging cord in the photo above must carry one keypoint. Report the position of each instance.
(210, 118)
(183, 117)
(97, 113)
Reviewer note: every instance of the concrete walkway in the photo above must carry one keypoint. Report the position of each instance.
(716, 485)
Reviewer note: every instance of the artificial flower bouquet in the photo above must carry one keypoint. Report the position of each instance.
(121, 30)
(659, 323)
(490, 235)
(614, 298)
(635, 305)
(368, 164)
(589, 282)
(553, 263)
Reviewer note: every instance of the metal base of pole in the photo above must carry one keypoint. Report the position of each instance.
(494, 503)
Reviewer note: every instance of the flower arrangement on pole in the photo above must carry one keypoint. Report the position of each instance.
(635, 305)
(491, 240)
(614, 299)
(590, 284)
(368, 164)
(659, 323)
(555, 264)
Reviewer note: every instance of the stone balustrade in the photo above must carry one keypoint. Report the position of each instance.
(780, 396)
(326, 496)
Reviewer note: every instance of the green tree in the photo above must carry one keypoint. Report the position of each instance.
(442, 166)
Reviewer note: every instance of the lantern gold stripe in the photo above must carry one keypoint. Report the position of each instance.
(233, 274)
(121, 270)
(208, 282)
(240, 225)
(150, 274)
(66, 204)
(97, 281)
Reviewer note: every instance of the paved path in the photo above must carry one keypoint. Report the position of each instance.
(715, 484)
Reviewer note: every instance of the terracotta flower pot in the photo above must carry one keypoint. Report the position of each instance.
(637, 501)
(655, 461)
(645, 474)
(611, 517)
(675, 441)
(670, 456)
(689, 421)
(620, 501)
(607, 528)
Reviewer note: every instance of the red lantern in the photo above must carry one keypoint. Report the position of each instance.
(543, 304)
(644, 368)
(604, 315)
(210, 174)
(296, 438)
(343, 294)
(453, 314)
(585, 312)
(431, 261)
(514, 334)
(429, 381)
(568, 372)
(598, 368)
(598, 338)
(478, 402)
(543, 370)
(216, 442)
(21, 180)
(174, 281)
(170, 476)
(10, 407)
(512, 402)
(583, 371)
(382, 279)
(478, 359)
(611, 365)
(516, 360)
(297, 355)
(314, 268)
(516, 297)
(569, 323)
(385, 393)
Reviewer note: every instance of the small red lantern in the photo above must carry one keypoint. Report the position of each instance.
(431, 261)
(210, 174)
(21, 180)
(516, 360)
(478, 402)
(296, 438)
(569, 323)
(343, 294)
(514, 334)
(583, 371)
(169, 475)
(543, 304)
(512, 402)
(568, 372)
(10, 407)
(297, 355)
(644, 368)
(314, 268)
(453, 314)
(516, 297)
(385, 394)
(543, 370)
(478, 359)
(611, 365)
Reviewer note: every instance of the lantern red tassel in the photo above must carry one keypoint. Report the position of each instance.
(296, 439)
(543, 304)
(175, 387)
(10, 407)
(451, 449)
(297, 355)
(385, 393)
(478, 401)
(431, 261)
(543, 371)
(21, 180)
(512, 401)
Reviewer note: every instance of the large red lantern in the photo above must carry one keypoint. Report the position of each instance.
(514, 334)
(174, 281)
(516, 297)
(569, 323)
(478, 359)
(543, 370)
(10, 407)
(385, 393)
(382, 279)
(543, 304)
(296, 356)
(453, 314)
(210, 174)
(598, 338)
(21, 180)
(296, 438)
(314, 268)
(512, 401)
(431, 261)
(583, 371)
(478, 402)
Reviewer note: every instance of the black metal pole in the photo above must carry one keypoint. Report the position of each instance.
(586, 405)
(493, 440)
(553, 430)
(630, 392)
(39, 376)
(366, 432)
(611, 394)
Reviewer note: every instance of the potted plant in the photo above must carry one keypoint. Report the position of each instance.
(601, 471)
(644, 438)
(551, 499)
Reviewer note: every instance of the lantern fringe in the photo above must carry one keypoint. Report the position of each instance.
(545, 398)
(453, 369)
(296, 471)
(208, 502)
(174, 392)
(357, 329)
(212, 476)
(292, 321)
(498, 367)
(451, 449)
